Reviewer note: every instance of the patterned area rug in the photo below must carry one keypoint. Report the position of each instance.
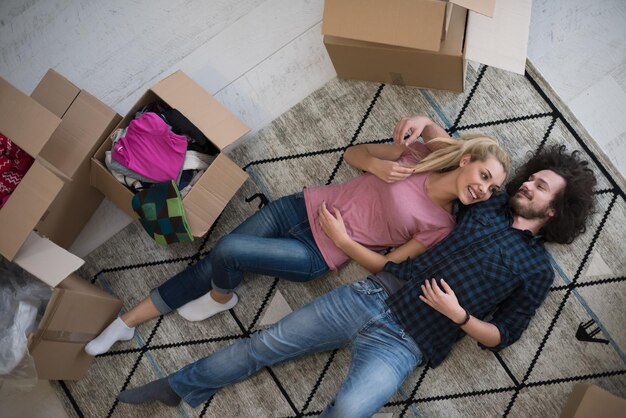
(578, 335)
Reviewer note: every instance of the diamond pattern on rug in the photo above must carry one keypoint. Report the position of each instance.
(598, 267)
(277, 309)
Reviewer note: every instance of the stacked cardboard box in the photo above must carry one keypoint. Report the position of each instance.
(424, 43)
(59, 127)
(221, 180)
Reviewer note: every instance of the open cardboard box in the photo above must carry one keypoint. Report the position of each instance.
(57, 346)
(222, 179)
(424, 43)
(85, 123)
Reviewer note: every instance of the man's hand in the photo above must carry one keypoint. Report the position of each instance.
(333, 226)
(389, 171)
(443, 300)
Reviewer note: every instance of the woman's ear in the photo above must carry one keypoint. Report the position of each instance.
(465, 160)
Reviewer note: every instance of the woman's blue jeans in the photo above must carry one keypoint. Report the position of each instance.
(383, 354)
(275, 241)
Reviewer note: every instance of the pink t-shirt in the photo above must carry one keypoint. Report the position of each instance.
(378, 214)
(151, 149)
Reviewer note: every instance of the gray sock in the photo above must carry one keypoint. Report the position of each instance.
(158, 390)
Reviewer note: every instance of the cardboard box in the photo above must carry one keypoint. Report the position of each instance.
(222, 179)
(77, 312)
(85, 124)
(443, 68)
(590, 401)
(424, 42)
(31, 126)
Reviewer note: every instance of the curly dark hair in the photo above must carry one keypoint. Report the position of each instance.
(574, 204)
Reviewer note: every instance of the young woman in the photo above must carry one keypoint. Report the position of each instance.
(404, 200)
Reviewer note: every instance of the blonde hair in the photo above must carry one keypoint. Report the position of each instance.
(449, 151)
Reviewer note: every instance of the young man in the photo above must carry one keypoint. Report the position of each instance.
(403, 317)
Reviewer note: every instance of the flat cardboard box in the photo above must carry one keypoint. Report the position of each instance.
(222, 179)
(443, 69)
(590, 401)
(30, 126)
(499, 41)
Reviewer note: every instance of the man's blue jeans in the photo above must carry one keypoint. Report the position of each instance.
(275, 241)
(383, 354)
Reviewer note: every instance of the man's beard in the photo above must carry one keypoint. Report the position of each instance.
(527, 212)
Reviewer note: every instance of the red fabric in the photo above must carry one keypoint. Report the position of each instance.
(14, 163)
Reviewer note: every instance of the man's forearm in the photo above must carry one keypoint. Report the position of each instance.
(483, 332)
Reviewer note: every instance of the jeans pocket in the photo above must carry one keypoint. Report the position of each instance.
(301, 229)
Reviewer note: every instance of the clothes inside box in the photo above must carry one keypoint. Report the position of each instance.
(159, 144)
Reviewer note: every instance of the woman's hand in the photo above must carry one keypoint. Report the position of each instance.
(390, 171)
(333, 226)
(443, 300)
(416, 126)
(412, 126)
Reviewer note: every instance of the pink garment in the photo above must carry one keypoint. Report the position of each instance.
(377, 214)
(151, 149)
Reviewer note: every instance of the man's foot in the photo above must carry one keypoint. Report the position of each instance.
(205, 307)
(116, 331)
(158, 390)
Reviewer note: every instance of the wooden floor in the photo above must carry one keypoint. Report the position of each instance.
(261, 57)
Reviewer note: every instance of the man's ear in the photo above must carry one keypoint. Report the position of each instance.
(551, 213)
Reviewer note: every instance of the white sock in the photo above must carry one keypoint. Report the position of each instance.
(205, 307)
(116, 331)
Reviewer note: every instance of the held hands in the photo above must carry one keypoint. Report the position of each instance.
(413, 125)
(390, 171)
(333, 226)
(443, 300)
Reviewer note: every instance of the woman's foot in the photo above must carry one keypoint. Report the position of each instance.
(116, 331)
(205, 307)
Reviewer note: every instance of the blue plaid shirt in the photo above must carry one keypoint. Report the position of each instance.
(488, 264)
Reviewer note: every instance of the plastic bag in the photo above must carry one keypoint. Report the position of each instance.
(23, 299)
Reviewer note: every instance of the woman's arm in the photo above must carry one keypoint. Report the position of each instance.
(380, 160)
(334, 227)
